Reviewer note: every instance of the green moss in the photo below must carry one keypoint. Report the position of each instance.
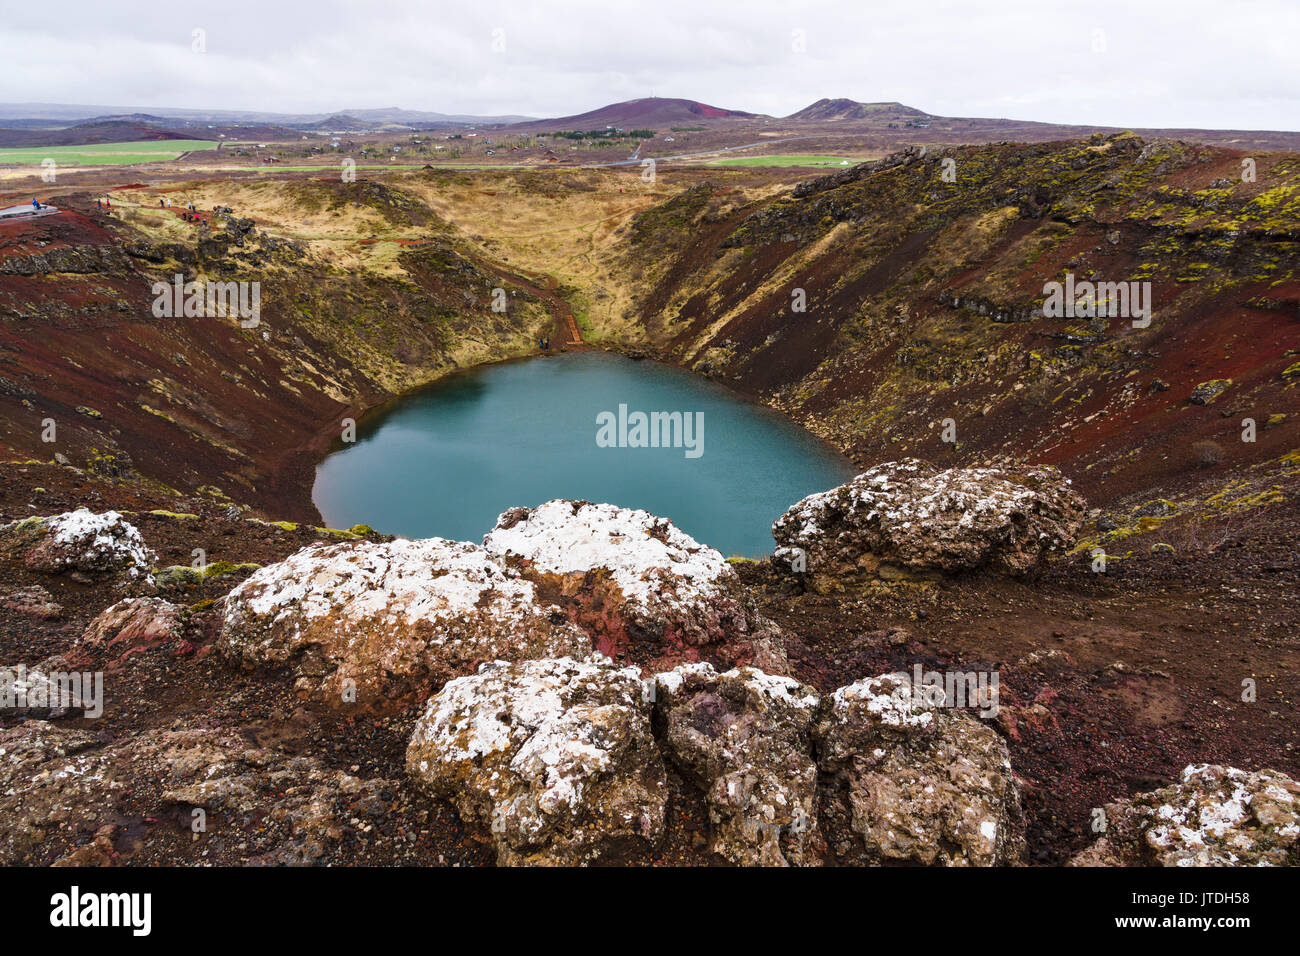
(217, 568)
(350, 534)
(185, 576)
(177, 515)
(178, 576)
(282, 525)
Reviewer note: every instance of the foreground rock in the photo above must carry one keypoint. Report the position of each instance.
(46, 690)
(64, 795)
(552, 759)
(645, 590)
(904, 781)
(35, 602)
(379, 625)
(906, 517)
(80, 543)
(131, 626)
(1213, 816)
(744, 737)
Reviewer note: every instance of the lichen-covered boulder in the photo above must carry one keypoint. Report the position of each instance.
(906, 517)
(553, 760)
(1213, 816)
(907, 781)
(378, 626)
(647, 592)
(744, 737)
(78, 542)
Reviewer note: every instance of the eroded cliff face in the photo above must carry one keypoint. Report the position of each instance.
(897, 307)
(218, 402)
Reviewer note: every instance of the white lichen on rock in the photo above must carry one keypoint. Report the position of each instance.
(905, 780)
(649, 558)
(1213, 816)
(908, 516)
(553, 759)
(744, 738)
(79, 541)
(373, 624)
(638, 583)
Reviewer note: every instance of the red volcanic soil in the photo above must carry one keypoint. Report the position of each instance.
(1110, 683)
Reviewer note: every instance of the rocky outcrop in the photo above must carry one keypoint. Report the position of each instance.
(646, 591)
(744, 738)
(131, 626)
(906, 781)
(80, 543)
(377, 626)
(35, 602)
(907, 517)
(1213, 816)
(552, 759)
(60, 787)
(562, 762)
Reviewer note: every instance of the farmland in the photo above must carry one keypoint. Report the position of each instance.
(104, 154)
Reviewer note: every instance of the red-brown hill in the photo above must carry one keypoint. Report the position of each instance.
(650, 111)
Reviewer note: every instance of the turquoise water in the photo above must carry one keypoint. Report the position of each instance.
(450, 458)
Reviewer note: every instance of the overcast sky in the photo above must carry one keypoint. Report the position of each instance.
(1171, 63)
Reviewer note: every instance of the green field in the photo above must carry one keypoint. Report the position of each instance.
(104, 154)
(788, 161)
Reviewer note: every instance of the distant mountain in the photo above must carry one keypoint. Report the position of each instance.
(109, 130)
(68, 114)
(395, 115)
(649, 112)
(342, 121)
(835, 110)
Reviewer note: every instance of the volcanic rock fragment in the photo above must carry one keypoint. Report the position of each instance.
(908, 517)
(132, 625)
(905, 780)
(1213, 816)
(78, 542)
(380, 625)
(553, 759)
(744, 737)
(645, 590)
